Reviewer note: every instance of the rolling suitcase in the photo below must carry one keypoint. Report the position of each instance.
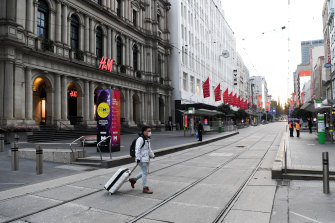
(118, 179)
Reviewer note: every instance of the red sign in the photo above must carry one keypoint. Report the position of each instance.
(259, 101)
(305, 73)
(185, 121)
(106, 65)
(217, 93)
(73, 94)
(205, 88)
(268, 105)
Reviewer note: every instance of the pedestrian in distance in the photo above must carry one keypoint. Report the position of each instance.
(297, 128)
(290, 126)
(200, 131)
(310, 125)
(143, 153)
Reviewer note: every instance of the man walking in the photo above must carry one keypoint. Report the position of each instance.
(200, 130)
(143, 153)
(310, 125)
(290, 126)
(297, 128)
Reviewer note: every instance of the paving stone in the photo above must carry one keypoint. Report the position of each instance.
(184, 171)
(65, 193)
(184, 213)
(94, 183)
(118, 203)
(263, 178)
(20, 206)
(76, 214)
(239, 216)
(256, 198)
(243, 163)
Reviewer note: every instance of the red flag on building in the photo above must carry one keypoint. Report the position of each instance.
(235, 100)
(298, 103)
(242, 104)
(217, 93)
(230, 99)
(225, 97)
(205, 88)
(250, 101)
(239, 102)
(268, 106)
(293, 97)
(246, 104)
(302, 98)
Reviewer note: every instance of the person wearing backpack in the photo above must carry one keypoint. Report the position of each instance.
(143, 153)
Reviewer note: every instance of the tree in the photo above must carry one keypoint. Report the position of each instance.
(241, 114)
(225, 109)
(300, 113)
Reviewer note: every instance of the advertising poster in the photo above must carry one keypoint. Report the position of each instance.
(116, 125)
(103, 115)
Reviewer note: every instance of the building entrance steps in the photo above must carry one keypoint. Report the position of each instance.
(303, 158)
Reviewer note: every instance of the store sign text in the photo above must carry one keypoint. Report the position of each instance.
(106, 64)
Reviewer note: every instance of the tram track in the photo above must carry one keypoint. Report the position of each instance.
(223, 213)
(141, 216)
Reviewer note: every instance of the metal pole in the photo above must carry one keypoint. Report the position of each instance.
(325, 168)
(285, 148)
(39, 160)
(15, 159)
(2, 143)
(16, 138)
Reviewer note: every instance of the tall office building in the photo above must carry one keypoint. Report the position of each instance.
(305, 49)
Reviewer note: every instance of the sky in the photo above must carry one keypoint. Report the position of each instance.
(264, 45)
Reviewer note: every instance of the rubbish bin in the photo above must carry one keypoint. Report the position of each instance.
(220, 128)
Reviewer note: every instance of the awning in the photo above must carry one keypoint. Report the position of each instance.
(203, 112)
(309, 106)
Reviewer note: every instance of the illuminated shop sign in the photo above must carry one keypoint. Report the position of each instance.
(106, 64)
(73, 94)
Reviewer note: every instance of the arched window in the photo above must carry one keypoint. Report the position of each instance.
(118, 8)
(74, 32)
(135, 57)
(98, 48)
(119, 50)
(42, 19)
(159, 20)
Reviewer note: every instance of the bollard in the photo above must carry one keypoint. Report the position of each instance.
(2, 143)
(16, 138)
(325, 164)
(15, 158)
(39, 160)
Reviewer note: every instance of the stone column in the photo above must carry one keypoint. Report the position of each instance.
(87, 34)
(131, 109)
(143, 119)
(29, 14)
(104, 45)
(131, 53)
(156, 108)
(59, 22)
(64, 98)
(125, 56)
(69, 32)
(29, 94)
(35, 17)
(64, 24)
(109, 42)
(91, 101)
(58, 96)
(92, 38)
(113, 45)
(81, 37)
(8, 91)
(52, 25)
(108, 4)
(87, 101)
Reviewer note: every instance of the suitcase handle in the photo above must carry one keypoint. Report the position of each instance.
(133, 169)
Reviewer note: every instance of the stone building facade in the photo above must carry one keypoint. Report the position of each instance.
(50, 53)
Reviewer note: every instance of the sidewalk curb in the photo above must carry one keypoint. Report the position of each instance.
(122, 160)
(278, 163)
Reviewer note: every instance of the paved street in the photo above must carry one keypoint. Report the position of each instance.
(225, 181)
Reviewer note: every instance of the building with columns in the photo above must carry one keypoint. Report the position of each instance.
(50, 53)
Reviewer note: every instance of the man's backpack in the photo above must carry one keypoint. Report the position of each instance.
(133, 145)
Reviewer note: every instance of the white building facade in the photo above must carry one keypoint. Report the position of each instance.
(50, 52)
(199, 36)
